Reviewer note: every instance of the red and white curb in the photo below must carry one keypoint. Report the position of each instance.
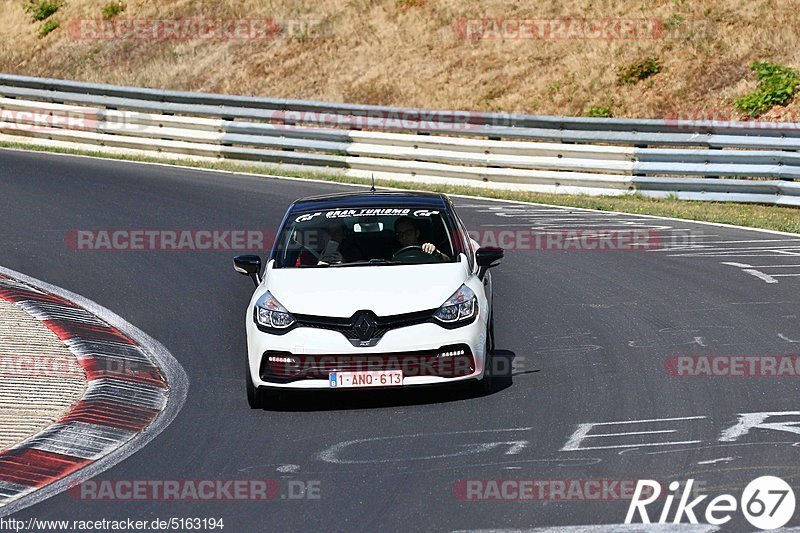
(135, 389)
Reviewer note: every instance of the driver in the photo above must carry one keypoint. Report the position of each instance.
(408, 235)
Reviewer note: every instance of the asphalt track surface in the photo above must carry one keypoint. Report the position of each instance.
(588, 333)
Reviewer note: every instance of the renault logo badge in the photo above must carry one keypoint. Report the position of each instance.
(365, 327)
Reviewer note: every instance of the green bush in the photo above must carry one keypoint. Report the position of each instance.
(48, 26)
(603, 111)
(777, 85)
(112, 9)
(41, 10)
(673, 21)
(640, 70)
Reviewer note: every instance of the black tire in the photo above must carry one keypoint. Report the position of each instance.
(491, 347)
(255, 396)
(485, 385)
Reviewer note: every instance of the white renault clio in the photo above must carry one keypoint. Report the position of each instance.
(375, 289)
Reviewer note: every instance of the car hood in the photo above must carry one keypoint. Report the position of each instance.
(385, 290)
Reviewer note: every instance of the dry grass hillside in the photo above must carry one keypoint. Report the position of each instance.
(413, 52)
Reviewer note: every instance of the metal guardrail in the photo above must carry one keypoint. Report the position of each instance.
(550, 154)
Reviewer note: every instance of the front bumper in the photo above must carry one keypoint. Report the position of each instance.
(427, 353)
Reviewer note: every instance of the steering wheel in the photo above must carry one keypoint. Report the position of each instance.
(413, 253)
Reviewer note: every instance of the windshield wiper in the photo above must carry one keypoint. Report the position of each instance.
(373, 262)
(367, 262)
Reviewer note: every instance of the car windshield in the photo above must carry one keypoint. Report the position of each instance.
(376, 236)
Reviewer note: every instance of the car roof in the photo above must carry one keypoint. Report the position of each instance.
(372, 199)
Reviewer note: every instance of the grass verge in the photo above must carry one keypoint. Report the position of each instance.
(749, 215)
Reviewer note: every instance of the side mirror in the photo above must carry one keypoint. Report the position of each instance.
(489, 256)
(249, 265)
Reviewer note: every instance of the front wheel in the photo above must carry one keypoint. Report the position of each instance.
(490, 334)
(255, 396)
(485, 385)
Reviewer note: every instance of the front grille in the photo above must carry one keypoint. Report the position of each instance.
(286, 367)
(379, 325)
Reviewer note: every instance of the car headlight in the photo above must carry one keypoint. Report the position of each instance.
(270, 313)
(461, 306)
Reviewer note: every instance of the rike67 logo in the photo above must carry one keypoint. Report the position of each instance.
(767, 503)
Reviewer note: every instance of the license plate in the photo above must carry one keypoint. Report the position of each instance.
(373, 378)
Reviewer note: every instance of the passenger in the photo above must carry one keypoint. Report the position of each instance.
(333, 247)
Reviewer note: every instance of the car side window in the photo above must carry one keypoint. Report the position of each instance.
(465, 240)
